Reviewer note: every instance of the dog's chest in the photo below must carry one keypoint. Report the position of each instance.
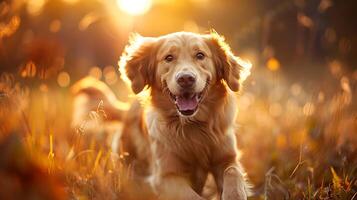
(194, 144)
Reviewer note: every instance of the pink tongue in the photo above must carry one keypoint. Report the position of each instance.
(186, 103)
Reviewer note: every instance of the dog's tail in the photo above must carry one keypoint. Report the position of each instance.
(91, 94)
(88, 93)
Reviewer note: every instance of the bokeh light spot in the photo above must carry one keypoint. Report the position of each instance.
(43, 88)
(308, 109)
(335, 68)
(273, 64)
(55, 26)
(95, 72)
(34, 7)
(110, 75)
(63, 79)
(87, 20)
(305, 20)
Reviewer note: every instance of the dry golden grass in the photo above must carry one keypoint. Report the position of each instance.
(298, 138)
(297, 142)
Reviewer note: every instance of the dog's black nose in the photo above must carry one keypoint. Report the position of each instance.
(185, 79)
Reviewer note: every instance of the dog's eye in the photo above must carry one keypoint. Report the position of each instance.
(200, 56)
(169, 58)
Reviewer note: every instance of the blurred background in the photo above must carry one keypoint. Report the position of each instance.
(297, 121)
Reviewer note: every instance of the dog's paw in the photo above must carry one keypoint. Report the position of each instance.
(234, 194)
(234, 185)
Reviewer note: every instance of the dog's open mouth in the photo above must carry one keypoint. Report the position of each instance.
(187, 103)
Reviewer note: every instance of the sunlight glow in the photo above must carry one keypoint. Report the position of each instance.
(71, 1)
(135, 7)
(246, 67)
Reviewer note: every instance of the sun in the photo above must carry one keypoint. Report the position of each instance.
(135, 7)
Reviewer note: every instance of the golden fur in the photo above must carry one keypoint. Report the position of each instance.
(176, 149)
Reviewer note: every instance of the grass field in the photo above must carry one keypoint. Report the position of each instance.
(297, 122)
(298, 141)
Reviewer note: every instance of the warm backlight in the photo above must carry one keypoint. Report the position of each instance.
(134, 7)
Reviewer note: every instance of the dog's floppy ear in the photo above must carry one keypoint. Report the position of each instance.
(137, 63)
(232, 69)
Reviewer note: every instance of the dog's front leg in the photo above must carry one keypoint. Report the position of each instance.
(234, 185)
(176, 188)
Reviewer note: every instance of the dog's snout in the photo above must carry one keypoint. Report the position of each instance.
(186, 79)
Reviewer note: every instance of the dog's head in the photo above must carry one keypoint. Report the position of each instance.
(183, 66)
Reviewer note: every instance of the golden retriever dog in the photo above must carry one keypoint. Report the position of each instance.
(187, 129)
